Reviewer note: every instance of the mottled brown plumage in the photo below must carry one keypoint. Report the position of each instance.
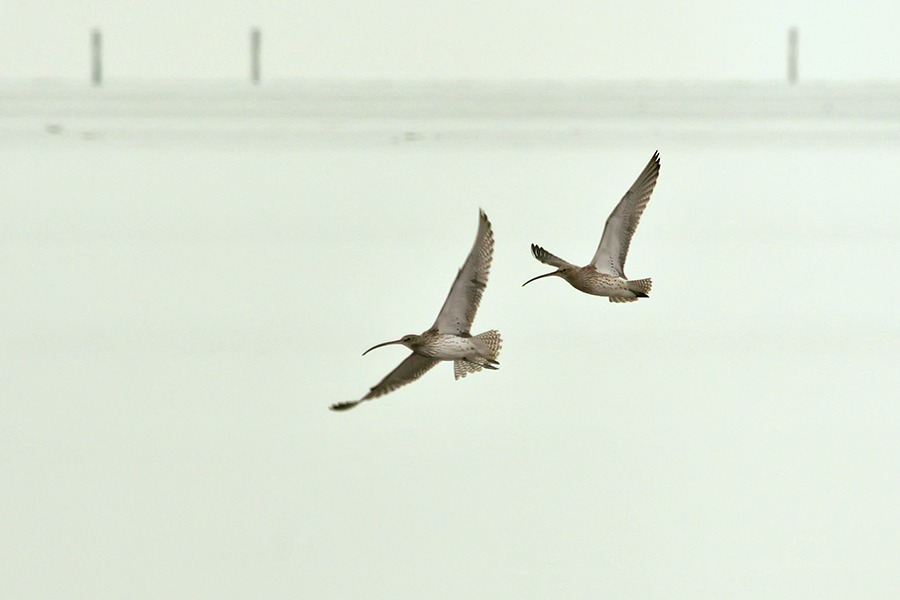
(448, 338)
(605, 274)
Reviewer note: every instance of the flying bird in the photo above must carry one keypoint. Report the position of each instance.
(449, 337)
(605, 274)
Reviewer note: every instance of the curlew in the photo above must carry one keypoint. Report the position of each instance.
(605, 274)
(449, 337)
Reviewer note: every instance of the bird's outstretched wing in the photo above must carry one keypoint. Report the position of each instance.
(621, 224)
(459, 308)
(408, 371)
(547, 258)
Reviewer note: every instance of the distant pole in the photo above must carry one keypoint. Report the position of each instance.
(96, 57)
(793, 55)
(255, 43)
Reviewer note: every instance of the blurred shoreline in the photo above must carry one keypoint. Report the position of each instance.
(452, 111)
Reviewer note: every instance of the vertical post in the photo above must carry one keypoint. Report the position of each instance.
(793, 55)
(96, 57)
(255, 42)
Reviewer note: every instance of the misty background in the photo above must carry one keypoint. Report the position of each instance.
(192, 265)
(395, 39)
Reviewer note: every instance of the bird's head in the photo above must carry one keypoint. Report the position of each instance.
(563, 272)
(410, 341)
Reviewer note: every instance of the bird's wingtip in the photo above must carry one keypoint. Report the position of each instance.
(342, 406)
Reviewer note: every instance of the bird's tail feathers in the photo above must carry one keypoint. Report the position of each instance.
(641, 287)
(491, 342)
(462, 367)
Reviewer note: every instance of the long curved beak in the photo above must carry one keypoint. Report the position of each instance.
(539, 276)
(380, 345)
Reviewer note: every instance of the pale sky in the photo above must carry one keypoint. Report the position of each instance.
(645, 39)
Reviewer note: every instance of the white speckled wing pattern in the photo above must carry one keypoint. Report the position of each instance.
(408, 371)
(622, 223)
(462, 302)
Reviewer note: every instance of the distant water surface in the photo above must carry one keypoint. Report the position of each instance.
(177, 312)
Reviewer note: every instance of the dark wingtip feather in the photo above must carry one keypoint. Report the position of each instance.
(341, 406)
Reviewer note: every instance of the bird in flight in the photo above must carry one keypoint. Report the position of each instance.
(449, 337)
(605, 274)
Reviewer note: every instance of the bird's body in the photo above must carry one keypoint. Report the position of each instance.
(449, 337)
(589, 280)
(605, 274)
(449, 346)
